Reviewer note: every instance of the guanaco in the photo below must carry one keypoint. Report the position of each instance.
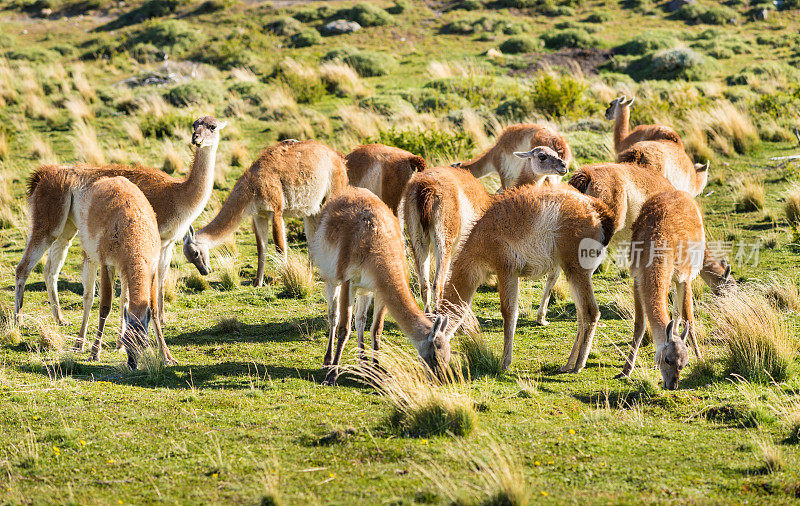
(118, 232)
(532, 231)
(358, 249)
(176, 202)
(383, 170)
(292, 179)
(667, 246)
(500, 156)
(619, 111)
(671, 161)
(440, 205)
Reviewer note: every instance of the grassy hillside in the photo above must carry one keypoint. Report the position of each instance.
(243, 418)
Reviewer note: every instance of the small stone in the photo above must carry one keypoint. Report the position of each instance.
(339, 27)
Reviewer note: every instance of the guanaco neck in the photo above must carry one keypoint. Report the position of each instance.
(138, 276)
(400, 303)
(485, 164)
(712, 272)
(227, 220)
(621, 126)
(197, 186)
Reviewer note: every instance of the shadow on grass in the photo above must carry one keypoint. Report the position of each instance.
(296, 329)
(73, 286)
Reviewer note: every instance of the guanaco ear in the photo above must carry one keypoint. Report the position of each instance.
(456, 164)
(685, 333)
(523, 154)
(437, 324)
(629, 102)
(621, 99)
(189, 234)
(701, 167)
(222, 124)
(727, 272)
(670, 326)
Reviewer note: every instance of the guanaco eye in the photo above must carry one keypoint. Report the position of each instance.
(666, 361)
(212, 127)
(542, 157)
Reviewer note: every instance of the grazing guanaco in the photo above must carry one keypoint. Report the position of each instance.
(667, 246)
(176, 202)
(118, 232)
(292, 179)
(358, 248)
(440, 205)
(532, 231)
(518, 138)
(671, 161)
(383, 170)
(619, 111)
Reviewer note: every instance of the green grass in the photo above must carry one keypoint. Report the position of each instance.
(243, 418)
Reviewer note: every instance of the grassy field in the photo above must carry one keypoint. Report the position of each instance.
(242, 418)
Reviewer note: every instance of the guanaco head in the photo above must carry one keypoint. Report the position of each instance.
(616, 105)
(718, 277)
(435, 349)
(206, 130)
(135, 336)
(543, 161)
(672, 356)
(701, 176)
(196, 252)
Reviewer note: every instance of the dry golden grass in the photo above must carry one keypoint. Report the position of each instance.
(473, 124)
(133, 132)
(36, 107)
(228, 269)
(49, 337)
(41, 150)
(723, 127)
(782, 292)
(760, 346)
(173, 158)
(296, 274)
(792, 206)
(243, 74)
(118, 155)
(82, 84)
(235, 107)
(239, 154)
(422, 405)
(10, 333)
(152, 105)
(749, 194)
(8, 93)
(769, 456)
(444, 69)
(170, 285)
(4, 149)
(87, 147)
(77, 108)
(341, 79)
(362, 123)
(278, 103)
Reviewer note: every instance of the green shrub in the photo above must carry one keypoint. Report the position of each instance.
(570, 37)
(305, 38)
(434, 419)
(171, 35)
(165, 125)
(647, 42)
(598, 17)
(458, 27)
(285, 26)
(306, 85)
(311, 14)
(676, 63)
(399, 7)
(366, 15)
(366, 63)
(765, 70)
(429, 143)
(209, 6)
(385, 105)
(779, 104)
(429, 100)
(519, 44)
(33, 53)
(148, 10)
(193, 93)
(230, 53)
(558, 96)
(467, 5)
(250, 91)
(709, 14)
(588, 147)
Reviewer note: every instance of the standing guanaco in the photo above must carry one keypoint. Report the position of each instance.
(292, 179)
(358, 249)
(619, 111)
(383, 170)
(532, 231)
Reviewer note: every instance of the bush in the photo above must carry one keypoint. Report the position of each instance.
(428, 143)
(366, 63)
(709, 14)
(216, 5)
(313, 14)
(429, 100)
(676, 63)
(385, 105)
(571, 37)
(647, 42)
(519, 44)
(598, 17)
(171, 36)
(305, 38)
(366, 15)
(193, 93)
(251, 91)
(467, 5)
(588, 147)
(148, 10)
(792, 207)
(165, 125)
(558, 96)
(285, 26)
(304, 82)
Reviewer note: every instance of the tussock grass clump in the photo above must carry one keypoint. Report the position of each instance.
(133, 132)
(296, 274)
(769, 456)
(10, 334)
(792, 206)
(228, 326)
(77, 108)
(228, 268)
(793, 426)
(362, 123)
(36, 107)
(422, 405)
(239, 154)
(41, 150)
(170, 284)
(528, 387)
(4, 151)
(724, 127)
(87, 147)
(479, 358)
(782, 293)
(194, 282)
(749, 195)
(173, 158)
(341, 79)
(760, 346)
(50, 338)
